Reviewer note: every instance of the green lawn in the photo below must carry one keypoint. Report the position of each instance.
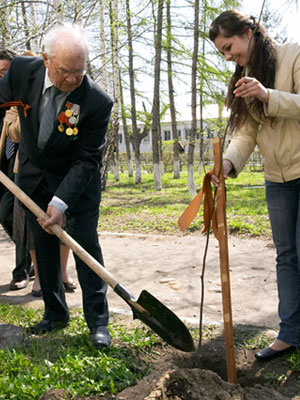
(67, 360)
(127, 207)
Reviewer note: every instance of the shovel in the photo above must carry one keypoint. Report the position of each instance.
(146, 308)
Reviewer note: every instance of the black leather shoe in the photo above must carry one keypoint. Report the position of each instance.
(17, 285)
(47, 326)
(268, 354)
(100, 337)
(37, 293)
(70, 287)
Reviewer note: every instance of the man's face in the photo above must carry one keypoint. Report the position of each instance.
(66, 68)
(4, 65)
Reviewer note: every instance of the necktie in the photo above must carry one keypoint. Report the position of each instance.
(48, 118)
(10, 148)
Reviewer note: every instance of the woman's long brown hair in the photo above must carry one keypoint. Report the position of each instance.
(261, 63)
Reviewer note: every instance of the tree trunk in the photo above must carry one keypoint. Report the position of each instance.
(116, 85)
(156, 99)
(77, 11)
(176, 159)
(111, 150)
(126, 134)
(35, 42)
(161, 156)
(201, 131)
(137, 159)
(58, 10)
(191, 151)
(104, 75)
(128, 152)
(26, 30)
(116, 163)
(201, 89)
(135, 133)
(4, 23)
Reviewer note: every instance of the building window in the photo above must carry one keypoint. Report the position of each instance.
(120, 138)
(167, 135)
(187, 133)
(179, 133)
(146, 139)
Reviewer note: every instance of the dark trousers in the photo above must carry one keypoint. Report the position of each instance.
(283, 200)
(83, 228)
(22, 256)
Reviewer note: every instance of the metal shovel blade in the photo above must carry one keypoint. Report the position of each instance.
(164, 322)
(159, 318)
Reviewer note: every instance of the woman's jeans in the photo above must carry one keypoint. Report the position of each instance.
(283, 200)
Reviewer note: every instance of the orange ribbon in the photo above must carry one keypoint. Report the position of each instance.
(26, 107)
(209, 213)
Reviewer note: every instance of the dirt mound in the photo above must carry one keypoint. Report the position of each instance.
(201, 375)
(196, 384)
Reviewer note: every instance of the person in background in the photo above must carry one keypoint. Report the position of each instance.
(21, 233)
(264, 97)
(63, 135)
(8, 150)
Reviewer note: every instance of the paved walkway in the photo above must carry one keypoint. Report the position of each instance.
(169, 268)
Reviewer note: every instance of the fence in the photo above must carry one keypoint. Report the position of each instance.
(255, 162)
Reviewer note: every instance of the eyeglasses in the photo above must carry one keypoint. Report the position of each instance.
(64, 73)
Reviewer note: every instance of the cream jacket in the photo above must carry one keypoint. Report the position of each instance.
(279, 143)
(11, 128)
(11, 125)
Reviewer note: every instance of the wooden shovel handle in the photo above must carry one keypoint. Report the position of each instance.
(224, 261)
(59, 232)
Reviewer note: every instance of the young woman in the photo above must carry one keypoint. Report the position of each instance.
(264, 98)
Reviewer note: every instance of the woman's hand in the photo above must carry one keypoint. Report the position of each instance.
(247, 87)
(227, 167)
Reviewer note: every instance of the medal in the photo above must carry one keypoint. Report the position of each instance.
(76, 109)
(69, 131)
(68, 119)
(72, 120)
(61, 128)
(62, 118)
(68, 113)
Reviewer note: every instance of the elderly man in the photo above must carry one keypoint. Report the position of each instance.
(62, 139)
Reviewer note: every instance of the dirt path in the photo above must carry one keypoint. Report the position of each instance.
(169, 268)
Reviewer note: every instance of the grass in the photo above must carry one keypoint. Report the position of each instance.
(130, 207)
(67, 360)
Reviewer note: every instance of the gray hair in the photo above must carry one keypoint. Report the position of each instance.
(65, 29)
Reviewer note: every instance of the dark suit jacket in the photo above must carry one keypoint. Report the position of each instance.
(69, 164)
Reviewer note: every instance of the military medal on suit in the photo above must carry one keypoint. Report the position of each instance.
(68, 119)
